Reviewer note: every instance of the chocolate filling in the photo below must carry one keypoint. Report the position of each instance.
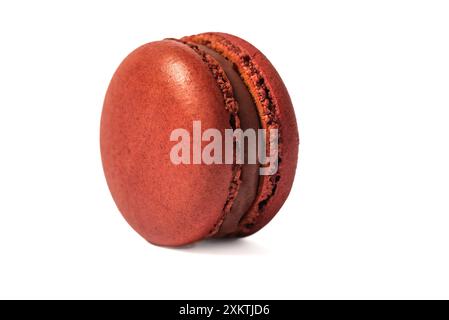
(249, 119)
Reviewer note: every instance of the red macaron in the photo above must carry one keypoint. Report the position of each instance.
(208, 81)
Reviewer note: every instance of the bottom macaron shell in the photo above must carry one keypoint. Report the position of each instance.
(160, 87)
(263, 210)
(288, 131)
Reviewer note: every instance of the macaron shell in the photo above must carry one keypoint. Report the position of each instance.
(288, 133)
(160, 87)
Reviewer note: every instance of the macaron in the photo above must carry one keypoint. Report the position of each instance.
(169, 143)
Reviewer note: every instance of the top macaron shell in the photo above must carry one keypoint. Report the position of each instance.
(160, 87)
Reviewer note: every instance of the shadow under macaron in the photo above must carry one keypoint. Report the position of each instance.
(225, 246)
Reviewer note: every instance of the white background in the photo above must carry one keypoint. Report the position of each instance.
(368, 216)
